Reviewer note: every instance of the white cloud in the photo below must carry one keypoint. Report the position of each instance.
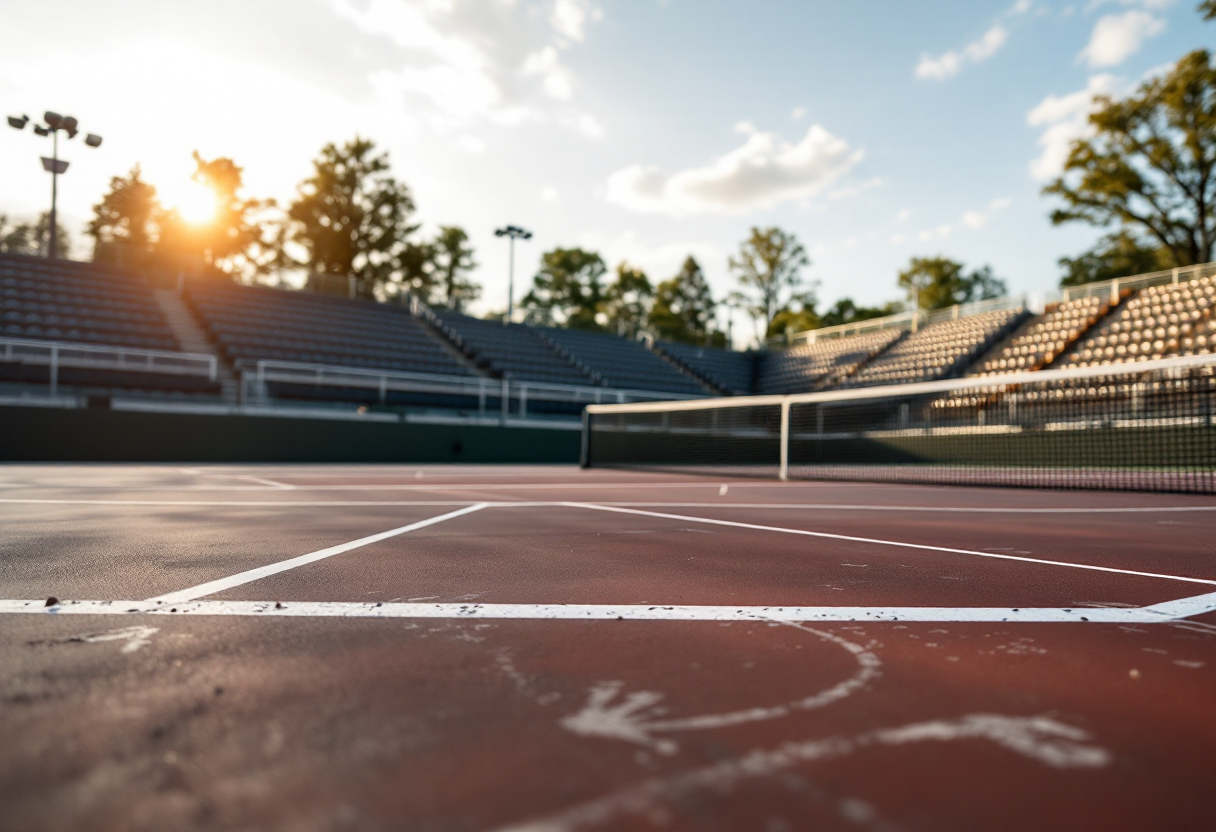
(1116, 37)
(948, 64)
(981, 218)
(569, 18)
(548, 194)
(761, 173)
(1064, 119)
(903, 215)
(557, 79)
(472, 60)
(798, 113)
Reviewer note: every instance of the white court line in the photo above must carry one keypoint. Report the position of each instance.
(628, 504)
(454, 486)
(994, 555)
(281, 485)
(1155, 613)
(212, 587)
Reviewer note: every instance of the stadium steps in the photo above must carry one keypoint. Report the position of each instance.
(431, 325)
(689, 370)
(191, 337)
(828, 381)
(570, 357)
(1064, 358)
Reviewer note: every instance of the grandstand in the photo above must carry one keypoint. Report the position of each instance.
(620, 362)
(91, 332)
(938, 351)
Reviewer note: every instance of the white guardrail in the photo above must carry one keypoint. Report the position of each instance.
(507, 391)
(1110, 289)
(57, 354)
(910, 321)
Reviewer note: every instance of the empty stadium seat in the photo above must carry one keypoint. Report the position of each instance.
(936, 351)
(620, 362)
(730, 371)
(1040, 340)
(1156, 322)
(513, 352)
(251, 323)
(62, 300)
(826, 363)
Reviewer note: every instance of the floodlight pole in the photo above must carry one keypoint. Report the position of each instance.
(52, 248)
(54, 165)
(512, 232)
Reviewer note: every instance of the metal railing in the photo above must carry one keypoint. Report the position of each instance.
(57, 354)
(513, 395)
(1111, 289)
(910, 321)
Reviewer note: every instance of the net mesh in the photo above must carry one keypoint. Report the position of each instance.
(1140, 427)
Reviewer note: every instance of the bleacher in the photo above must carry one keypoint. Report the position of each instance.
(512, 352)
(729, 371)
(1042, 339)
(249, 323)
(107, 330)
(61, 300)
(826, 363)
(936, 351)
(621, 362)
(1156, 322)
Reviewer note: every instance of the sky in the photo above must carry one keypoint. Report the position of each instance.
(646, 130)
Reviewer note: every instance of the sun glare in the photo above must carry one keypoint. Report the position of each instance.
(196, 204)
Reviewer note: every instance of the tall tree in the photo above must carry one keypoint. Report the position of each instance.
(1207, 9)
(683, 308)
(627, 301)
(126, 218)
(1116, 255)
(237, 239)
(937, 282)
(32, 237)
(845, 311)
(568, 290)
(353, 218)
(453, 260)
(1148, 168)
(769, 268)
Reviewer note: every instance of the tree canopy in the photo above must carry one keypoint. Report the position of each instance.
(453, 261)
(32, 238)
(126, 216)
(845, 311)
(684, 306)
(351, 217)
(627, 301)
(769, 268)
(1116, 255)
(938, 282)
(568, 290)
(1148, 169)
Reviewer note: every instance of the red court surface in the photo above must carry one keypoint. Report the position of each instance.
(546, 648)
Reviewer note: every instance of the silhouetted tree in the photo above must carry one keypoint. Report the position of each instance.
(1149, 167)
(124, 224)
(568, 290)
(32, 238)
(683, 308)
(845, 311)
(1116, 255)
(937, 282)
(353, 218)
(453, 260)
(627, 300)
(769, 268)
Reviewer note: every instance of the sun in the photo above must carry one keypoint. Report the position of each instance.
(196, 203)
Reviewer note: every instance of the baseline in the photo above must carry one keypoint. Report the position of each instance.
(1156, 613)
(881, 542)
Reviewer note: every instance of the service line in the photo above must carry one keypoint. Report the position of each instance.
(1156, 613)
(221, 584)
(881, 542)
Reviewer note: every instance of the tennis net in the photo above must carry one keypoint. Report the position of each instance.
(1142, 426)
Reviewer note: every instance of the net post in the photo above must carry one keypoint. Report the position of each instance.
(784, 472)
(584, 451)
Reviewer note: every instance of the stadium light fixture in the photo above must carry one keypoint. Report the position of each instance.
(512, 232)
(53, 124)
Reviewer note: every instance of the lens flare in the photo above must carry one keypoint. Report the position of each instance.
(196, 204)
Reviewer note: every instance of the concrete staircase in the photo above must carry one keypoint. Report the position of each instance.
(192, 338)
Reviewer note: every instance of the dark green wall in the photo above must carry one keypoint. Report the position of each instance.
(37, 434)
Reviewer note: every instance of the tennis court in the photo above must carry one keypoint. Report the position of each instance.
(549, 648)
